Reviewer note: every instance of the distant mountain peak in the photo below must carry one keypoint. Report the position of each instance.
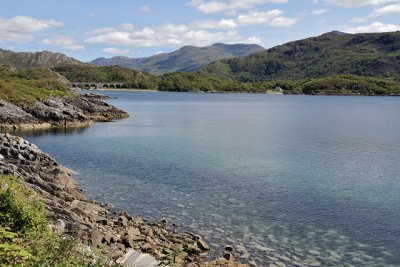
(187, 58)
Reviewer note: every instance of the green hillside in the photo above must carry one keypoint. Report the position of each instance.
(371, 54)
(28, 85)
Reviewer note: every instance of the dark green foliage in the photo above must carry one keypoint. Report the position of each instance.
(372, 54)
(350, 85)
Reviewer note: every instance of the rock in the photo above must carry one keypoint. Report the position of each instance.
(109, 238)
(59, 226)
(314, 264)
(96, 238)
(1, 157)
(137, 221)
(245, 256)
(127, 242)
(202, 244)
(229, 257)
(122, 221)
(280, 264)
(229, 248)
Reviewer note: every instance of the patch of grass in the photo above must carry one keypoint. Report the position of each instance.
(25, 238)
(27, 86)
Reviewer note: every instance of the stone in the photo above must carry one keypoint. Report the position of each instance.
(1, 157)
(96, 238)
(127, 242)
(122, 221)
(202, 244)
(229, 257)
(229, 248)
(280, 264)
(245, 256)
(109, 238)
(314, 264)
(59, 226)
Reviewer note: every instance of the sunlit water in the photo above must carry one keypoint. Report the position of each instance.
(314, 179)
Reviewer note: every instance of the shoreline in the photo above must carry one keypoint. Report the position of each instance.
(116, 233)
(239, 92)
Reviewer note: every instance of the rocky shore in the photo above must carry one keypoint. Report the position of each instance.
(114, 233)
(72, 111)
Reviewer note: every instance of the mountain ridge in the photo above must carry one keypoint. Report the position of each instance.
(185, 59)
(35, 59)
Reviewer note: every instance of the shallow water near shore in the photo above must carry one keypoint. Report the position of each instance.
(283, 178)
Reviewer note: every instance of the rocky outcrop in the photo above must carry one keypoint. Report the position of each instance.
(115, 233)
(75, 110)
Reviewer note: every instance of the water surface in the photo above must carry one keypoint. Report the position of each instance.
(315, 179)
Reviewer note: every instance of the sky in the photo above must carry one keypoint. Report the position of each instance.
(87, 29)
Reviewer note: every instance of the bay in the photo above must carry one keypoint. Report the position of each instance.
(310, 178)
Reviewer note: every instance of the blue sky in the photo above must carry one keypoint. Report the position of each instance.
(87, 29)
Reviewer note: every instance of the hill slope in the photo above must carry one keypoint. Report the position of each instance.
(37, 59)
(186, 59)
(372, 54)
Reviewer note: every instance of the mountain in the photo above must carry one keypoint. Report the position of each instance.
(185, 59)
(366, 54)
(37, 59)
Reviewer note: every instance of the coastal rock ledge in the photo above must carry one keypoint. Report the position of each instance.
(72, 111)
(117, 235)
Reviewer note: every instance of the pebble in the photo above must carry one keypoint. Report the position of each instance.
(280, 264)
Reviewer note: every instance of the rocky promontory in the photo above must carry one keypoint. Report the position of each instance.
(69, 111)
(114, 233)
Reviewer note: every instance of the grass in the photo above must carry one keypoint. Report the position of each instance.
(25, 238)
(28, 86)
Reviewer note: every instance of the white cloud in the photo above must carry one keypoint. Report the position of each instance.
(92, 15)
(319, 12)
(64, 42)
(390, 9)
(215, 6)
(101, 31)
(116, 51)
(271, 18)
(20, 29)
(283, 22)
(373, 27)
(165, 35)
(254, 18)
(357, 3)
(198, 33)
(254, 40)
(145, 9)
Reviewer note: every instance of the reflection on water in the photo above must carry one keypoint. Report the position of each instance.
(282, 178)
(49, 131)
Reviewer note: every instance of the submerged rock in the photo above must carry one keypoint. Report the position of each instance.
(72, 211)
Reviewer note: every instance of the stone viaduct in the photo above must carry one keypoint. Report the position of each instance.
(95, 85)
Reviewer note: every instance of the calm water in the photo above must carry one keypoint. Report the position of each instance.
(317, 178)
